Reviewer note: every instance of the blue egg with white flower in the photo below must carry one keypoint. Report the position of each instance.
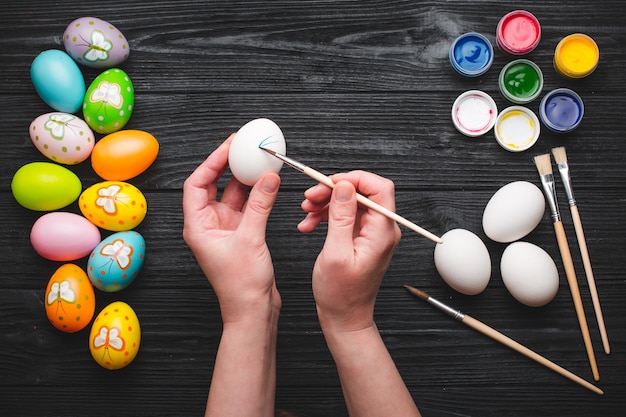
(115, 263)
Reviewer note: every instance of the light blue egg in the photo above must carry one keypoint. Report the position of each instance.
(116, 261)
(58, 80)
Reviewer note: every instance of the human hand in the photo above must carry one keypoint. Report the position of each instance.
(227, 237)
(357, 251)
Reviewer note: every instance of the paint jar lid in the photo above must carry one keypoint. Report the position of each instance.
(517, 128)
(474, 113)
(576, 56)
(520, 81)
(518, 32)
(471, 54)
(561, 110)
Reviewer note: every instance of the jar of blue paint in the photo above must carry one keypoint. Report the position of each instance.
(471, 54)
(561, 110)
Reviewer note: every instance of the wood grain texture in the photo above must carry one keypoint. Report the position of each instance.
(353, 85)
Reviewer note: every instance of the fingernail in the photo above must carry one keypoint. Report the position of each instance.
(270, 183)
(343, 193)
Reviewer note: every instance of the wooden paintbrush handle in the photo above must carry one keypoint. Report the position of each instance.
(568, 265)
(507, 341)
(584, 252)
(321, 178)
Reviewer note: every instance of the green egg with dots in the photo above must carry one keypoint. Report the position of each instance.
(109, 101)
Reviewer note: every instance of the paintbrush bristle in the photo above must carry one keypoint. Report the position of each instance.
(544, 165)
(421, 294)
(559, 155)
(271, 152)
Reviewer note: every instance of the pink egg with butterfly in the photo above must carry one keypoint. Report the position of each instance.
(62, 137)
(116, 261)
(95, 43)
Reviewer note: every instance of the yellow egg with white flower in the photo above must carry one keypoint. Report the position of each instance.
(113, 205)
(115, 336)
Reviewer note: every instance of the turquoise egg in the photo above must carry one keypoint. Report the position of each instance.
(109, 101)
(45, 186)
(58, 80)
(116, 261)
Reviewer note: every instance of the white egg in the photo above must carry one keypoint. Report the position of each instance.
(248, 162)
(463, 261)
(513, 211)
(529, 273)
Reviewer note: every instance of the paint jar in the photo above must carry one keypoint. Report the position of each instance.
(576, 56)
(561, 110)
(517, 128)
(518, 32)
(474, 113)
(520, 81)
(471, 54)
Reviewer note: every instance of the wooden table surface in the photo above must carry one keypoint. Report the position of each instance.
(353, 85)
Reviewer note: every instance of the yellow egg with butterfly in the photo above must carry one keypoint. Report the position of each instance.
(115, 336)
(70, 300)
(113, 205)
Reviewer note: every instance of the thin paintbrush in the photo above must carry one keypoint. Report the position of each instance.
(318, 176)
(544, 166)
(505, 340)
(560, 157)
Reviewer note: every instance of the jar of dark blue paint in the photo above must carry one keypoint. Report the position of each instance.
(471, 54)
(561, 110)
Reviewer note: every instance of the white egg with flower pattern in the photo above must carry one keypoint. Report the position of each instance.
(247, 161)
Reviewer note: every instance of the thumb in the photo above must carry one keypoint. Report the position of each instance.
(259, 205)
(342, 212)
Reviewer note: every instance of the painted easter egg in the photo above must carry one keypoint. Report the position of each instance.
(58, 80)
(45, 186)
(62, 236)
(115, 336)
(109, 101)
(116, 261)
(124, 154)
(95, 43)
(247, 161)
(113, 205)
(70, 300)
(62, 137)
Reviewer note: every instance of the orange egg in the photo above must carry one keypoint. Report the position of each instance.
(70, 299)
(124, 154)
(115, 336)
(113, 205)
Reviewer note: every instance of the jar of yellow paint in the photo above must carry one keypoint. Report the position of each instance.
(576, 56)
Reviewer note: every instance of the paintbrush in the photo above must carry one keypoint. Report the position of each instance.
(560, 157)
(544, 166)
(505, 340)
(319, 177)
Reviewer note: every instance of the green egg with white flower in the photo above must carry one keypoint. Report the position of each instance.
(109, 101)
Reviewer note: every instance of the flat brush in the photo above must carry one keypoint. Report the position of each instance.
(560, 157)
(544, 166)
(505, 340)
(319, 177)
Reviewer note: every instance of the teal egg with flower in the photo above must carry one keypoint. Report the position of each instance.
(109, 101)
(115, 263)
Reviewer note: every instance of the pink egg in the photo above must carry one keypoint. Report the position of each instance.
(62, 137)
(63, 236)
(95, 43)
